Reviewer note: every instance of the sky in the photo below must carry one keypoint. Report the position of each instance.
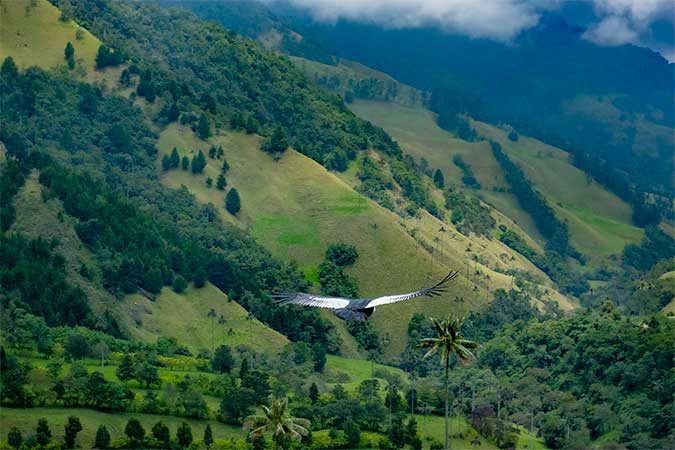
(647, 23)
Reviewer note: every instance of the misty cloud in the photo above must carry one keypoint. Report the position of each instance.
(495, 19)
(625, 21)
(617, 22)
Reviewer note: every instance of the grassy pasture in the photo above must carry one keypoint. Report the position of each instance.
(34, 36)
(26, 421)
(185, 317)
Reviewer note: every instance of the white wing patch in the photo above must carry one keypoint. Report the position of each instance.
(379, 301)
(312, 300)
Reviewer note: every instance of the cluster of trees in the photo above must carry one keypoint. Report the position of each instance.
(558, 246)
(142, 235)
(656, 246)
(611, 379)
(374, 183)
(106, 57)
(43, 435)
(468, 214)
(276, 99)
(468, 177)
(535, 204)
(35, 276)
(135, 436)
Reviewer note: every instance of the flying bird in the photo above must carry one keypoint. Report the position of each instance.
(359, 309)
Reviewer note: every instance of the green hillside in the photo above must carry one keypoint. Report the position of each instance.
(35, 35)
(185, 317)
(296, 208)
(599, 221)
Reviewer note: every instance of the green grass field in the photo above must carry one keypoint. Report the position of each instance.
(185, 317)
(34, 36)
(26, 421)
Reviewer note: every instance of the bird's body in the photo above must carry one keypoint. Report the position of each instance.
(359, 309)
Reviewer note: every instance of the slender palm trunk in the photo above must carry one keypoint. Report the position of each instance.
(447, 401)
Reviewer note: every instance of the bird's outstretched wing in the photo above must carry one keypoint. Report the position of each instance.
(437, 289)
(299, 298)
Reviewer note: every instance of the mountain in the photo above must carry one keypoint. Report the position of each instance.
(608, 106)
(161, 177)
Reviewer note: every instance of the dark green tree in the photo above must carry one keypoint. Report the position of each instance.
(232, 202)
(198, 162)
(222, 182)
(179, 284)
(162, 433)
(200, 277)
(9, 69)
(353, 433)
(209, 182)
(120, 139)
(184, 435)
(134, 431)
(342, 254)
(318, 356)
(226, 166)
(12, 380)
(14, 438)
(77, 346)
(513, 135)
(69, 53)
(185, 163)
(236, 404)
(166, 163)
(222, 361)
(252, 125)
(102, 437)
(71, 429)
(313, 393)
(277, 142)
(148, 374)
(44, 434)
(397, 432)
(125, 371)
(204, 127)
(244, 368)
(439, 179)
(212, 152)
(208, 435)
(175, 159)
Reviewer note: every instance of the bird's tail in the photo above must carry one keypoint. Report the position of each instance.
(350, 314)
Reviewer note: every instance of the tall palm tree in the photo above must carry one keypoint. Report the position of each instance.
(448, 342)
(277, 421)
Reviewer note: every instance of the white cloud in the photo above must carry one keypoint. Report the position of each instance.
(613, 30)
(625, 21)
(617, 22)
(496, 19)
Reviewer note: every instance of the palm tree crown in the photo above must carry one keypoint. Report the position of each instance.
(277, 420)
(449, 342)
